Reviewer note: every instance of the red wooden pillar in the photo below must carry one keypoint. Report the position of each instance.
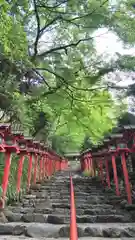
(85, 164)
(41, 168)
(45, 166)
(19, 172)
(35, 168)
(6, 173)
(51, 167)
(56, 165)
(107, 174)
(115, 175)
(101, 171)
(88, 163)
(48, 167)
(126, 178)
(60, 165)
(98, 164)
(30, 157)
(90, 167)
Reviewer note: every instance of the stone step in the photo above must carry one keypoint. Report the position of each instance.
(79, 211)
(103, 219)
(80, 197)
(110, 230)
(67, 183)
(83, 206)
(77, 194)
(28, 210)
(64, 200)
(79, 201)
(82, 238)
(59, 186)
(44, 230)
(130, 207)
(67, 190)
(64, 218)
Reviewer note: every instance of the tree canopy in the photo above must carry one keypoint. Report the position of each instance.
(53, 81)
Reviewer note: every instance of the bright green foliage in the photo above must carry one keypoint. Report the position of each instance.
(50, 45)
(13, 41)
(88, 173)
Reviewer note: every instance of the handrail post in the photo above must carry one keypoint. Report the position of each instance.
(35, 168)
(19, 172)
(107, 174)
(126, 178)
(101, 171)
(30, 157)
(115, 176)
(6, 173)
(40, 168)
(73, 224)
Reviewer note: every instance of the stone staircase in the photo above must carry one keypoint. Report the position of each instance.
(44, 213)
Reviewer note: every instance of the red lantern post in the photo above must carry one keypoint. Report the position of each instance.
(106, 159)
(30, 154)
(10, 146)
(107, 174)
(113, 152)
(123, 150)
(23, 151)
(36, 154)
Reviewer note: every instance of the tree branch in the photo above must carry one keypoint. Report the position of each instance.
(55, 6)
(64, 47)
(38, 28)
(48, 25)
(86, 89)
(89, 14)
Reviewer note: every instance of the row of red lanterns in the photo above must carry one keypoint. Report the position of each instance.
(121, 142)
(15, 142)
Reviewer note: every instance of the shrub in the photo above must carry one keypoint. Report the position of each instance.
(88, 173)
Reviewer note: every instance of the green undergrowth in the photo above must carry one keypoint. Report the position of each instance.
(11, 191)
(89, 173)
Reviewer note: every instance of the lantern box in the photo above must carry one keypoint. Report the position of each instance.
(104, 151)
(129, 127)
(10, 143)
(112, 149)
(41, 148)
(130, 132)
(2, 149)
(30, 149)
(36, 146)
(30, 145)
(6, 127)
(22, 145)
(120, 143)
(106, 140)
